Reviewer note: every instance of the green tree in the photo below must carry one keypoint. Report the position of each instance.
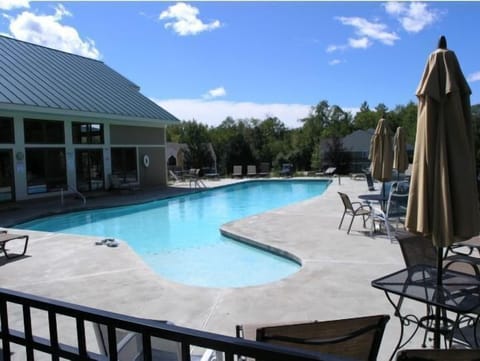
(323, 122)
(337, 156)
(316, 159)
(196, 137)
(365, 118)
(406, 117)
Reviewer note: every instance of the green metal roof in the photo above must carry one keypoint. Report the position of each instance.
(34, 76)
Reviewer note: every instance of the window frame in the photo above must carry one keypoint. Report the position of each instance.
(43, 131)
(88, 135)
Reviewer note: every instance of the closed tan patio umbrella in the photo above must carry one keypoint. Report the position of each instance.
(400, 156)
(381, 153)
(443, 201)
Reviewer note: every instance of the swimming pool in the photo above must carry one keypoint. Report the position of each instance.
(179, 237)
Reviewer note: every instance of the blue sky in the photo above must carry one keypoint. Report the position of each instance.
(209, 60)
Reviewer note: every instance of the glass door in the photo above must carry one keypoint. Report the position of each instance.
(89, 165)
(6, 176)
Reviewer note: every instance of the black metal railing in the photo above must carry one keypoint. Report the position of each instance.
(19, 313)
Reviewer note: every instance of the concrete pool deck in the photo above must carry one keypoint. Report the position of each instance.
(334, 281)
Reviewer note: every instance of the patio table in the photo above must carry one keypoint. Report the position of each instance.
(374, 197)
(459, 293)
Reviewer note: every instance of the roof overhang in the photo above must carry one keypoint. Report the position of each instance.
(67, 113)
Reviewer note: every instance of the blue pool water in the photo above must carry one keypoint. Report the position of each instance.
(179, 237)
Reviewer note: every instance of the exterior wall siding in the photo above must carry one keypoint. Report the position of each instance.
(133, 135)
(155, 174)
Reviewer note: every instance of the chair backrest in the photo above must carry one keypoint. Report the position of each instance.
(397, 199)
(346, 201)
(264, 167)
(416, 249)
(439, 355)
(251, 169)
(330, 171)
(237, 169)
(358, 338)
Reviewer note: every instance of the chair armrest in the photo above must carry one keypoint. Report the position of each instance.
(362, 205)
(473, 262)
(454, 251)
(359, 203)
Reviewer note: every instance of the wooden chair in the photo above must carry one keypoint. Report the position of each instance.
(358, 338)
(353, 209)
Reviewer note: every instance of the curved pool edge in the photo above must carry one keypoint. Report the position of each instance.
(235, 236)
(251, 242)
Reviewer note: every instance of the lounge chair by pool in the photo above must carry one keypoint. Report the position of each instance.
(237, 171)
(7, 237)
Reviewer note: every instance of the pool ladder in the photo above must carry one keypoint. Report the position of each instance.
(75, 191)
(197, 183)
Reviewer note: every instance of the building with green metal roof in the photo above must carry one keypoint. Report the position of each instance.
(72, 123)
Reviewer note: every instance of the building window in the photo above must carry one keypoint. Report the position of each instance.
(39, 131)
(124, 164)
(46, 169)
(87, 133)
(6, 130)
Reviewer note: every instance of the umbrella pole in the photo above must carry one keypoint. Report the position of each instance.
(436, 334)
(382, 204)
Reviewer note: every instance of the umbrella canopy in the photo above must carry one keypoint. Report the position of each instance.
(400, 156)
(443, 200)
(381, 152)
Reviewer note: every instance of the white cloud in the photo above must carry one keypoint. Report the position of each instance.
(13, 4)
(215, 93)
(474, 77)
(413, 16)
(333, 48)
(371, 30)
(361, 43)
(185, 20)
(394, 7)
(216, 111)
(335, 62)
(47, 30)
